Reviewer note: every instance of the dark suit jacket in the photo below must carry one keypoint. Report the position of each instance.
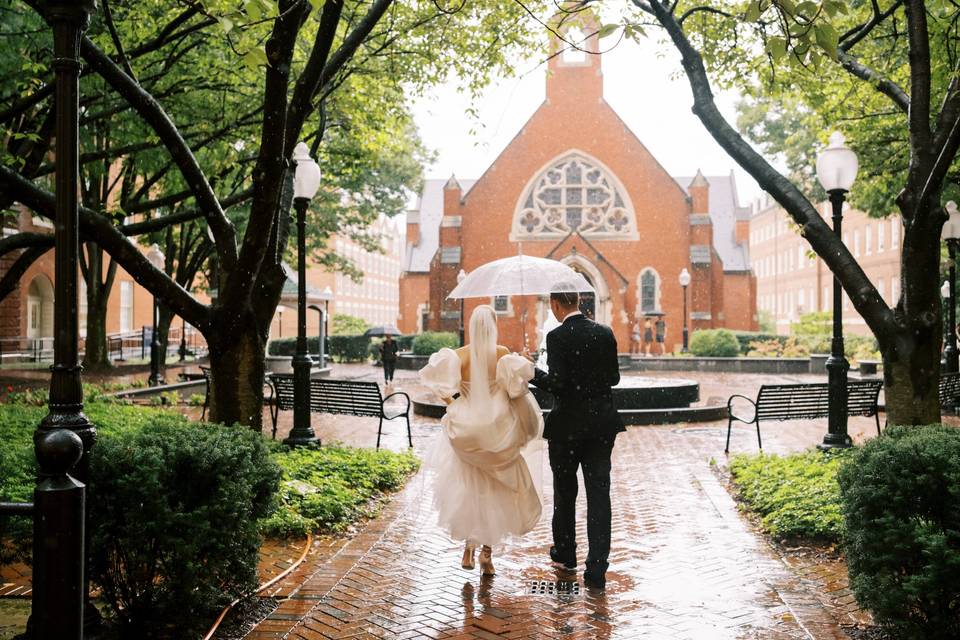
(583, 363)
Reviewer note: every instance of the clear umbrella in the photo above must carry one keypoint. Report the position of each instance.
(519, 276)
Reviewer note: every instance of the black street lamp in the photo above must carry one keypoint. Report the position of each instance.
(306, 181)
(183, 340)
(460, 278)
(65, 435)
(684, 283)
(158, 260)
(836, 170)
(951, 233)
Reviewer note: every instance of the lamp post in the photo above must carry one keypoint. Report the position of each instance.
(65, 435)
(306, 181)
(684, 283)
(460, 278)
(327, 297)
(951, 233)
(836, 170)
(158, 260)
(945, 294)
(183, 340)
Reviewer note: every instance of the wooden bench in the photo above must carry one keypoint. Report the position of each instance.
(805, 401)
(345, 397)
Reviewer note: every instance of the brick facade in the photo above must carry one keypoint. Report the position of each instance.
(649, 222)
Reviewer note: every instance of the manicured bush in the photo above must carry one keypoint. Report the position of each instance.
(746, 338)
(173, 512)
(430, 342)
(901, 504)
(349, 348)
(788, 348)
(714, 343)
(288, 346)
(796, 496)
(327, 488)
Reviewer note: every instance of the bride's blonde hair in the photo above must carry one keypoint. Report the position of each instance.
(483, 354)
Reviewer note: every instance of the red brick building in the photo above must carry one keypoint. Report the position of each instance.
(577, 185)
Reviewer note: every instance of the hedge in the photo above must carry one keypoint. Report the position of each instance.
(901, 506)
(430, 342)
(714, 343)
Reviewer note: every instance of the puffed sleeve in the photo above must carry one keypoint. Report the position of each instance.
(442, 373)
(513, 374)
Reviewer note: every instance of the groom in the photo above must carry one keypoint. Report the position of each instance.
(581, 429)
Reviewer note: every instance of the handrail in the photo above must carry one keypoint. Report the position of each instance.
(16, 509)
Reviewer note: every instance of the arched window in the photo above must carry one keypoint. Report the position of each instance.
(575, 193)
(649, 291)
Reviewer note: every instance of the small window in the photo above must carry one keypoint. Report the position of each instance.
(501, 304)
(894, 233)
(868, 239)
(648, 291)
(573, 47)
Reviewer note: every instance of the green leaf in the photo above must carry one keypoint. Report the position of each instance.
(317, 4)
(607, 29)
(254, 58)
(827, 37)
(753, 12)
(227, 24)
(254, 10)
(789, 6)
(777, 47)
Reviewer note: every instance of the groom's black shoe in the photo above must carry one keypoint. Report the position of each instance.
(567, 562)
(594, 580)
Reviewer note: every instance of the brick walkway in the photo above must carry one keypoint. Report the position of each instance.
(684, 563)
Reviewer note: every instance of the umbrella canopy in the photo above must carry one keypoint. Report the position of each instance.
(518, 276)
(382, 330)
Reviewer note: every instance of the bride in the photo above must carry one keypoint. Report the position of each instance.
(483, 490)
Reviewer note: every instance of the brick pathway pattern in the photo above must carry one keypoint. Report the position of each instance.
(685, 563)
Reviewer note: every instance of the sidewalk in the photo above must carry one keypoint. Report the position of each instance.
(685, 563)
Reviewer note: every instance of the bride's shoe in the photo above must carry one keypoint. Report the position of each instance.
(486, 561)
(467, 562)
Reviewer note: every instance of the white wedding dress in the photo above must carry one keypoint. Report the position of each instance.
(483, 489)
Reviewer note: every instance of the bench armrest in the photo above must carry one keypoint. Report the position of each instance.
(730, 408)
(397, 393)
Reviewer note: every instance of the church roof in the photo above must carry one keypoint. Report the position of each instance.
(725, 210)
(430, 209)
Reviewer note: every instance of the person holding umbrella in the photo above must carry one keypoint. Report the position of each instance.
(388, 356)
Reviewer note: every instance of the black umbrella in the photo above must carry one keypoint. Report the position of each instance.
(382, 330)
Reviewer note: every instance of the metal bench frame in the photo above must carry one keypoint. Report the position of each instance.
(344, 397)
(949, 390)
(805, 401)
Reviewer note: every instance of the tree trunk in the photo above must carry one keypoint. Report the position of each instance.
(164, 318)
(237, 372)
(95, 355)
(910, 382)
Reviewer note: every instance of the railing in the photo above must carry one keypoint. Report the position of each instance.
(24, 349)
(58, 536)
(120, 346)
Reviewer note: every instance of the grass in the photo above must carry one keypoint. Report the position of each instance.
(795, 496)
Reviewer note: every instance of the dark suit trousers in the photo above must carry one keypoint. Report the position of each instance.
(593, 455)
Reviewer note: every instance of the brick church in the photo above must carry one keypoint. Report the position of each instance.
(576, 185)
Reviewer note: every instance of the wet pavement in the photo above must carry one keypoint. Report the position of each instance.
(684, 562)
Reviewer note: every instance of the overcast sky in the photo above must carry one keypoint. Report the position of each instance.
(645, 88)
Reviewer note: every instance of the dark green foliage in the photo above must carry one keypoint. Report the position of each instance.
(714, 343)
(901, 504)
(173, 512)
(405, 343)
(288, 346)
(745, 338)
(796, 496)
(430, 342)
(327, 488)
(349, 348)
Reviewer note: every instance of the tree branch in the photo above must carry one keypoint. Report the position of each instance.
(884, 85)
(919, 53)
(25, 240)
(821, 238)
(10, 280)
(108, 237)
(121, 54)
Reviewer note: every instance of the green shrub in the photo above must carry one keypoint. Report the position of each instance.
(373, 349)
(747, 338)
(714, 343)
(349, 348)
(288, 346)
(196, 399)
(430, 342)
(901, 504)
(788, 348)
(173, 531)
(405, 343)
(327, 488)
(796, 496)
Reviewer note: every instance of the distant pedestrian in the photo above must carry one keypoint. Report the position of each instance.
(388, 356)
(635, 338)
(647, 336)
(660, 328)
